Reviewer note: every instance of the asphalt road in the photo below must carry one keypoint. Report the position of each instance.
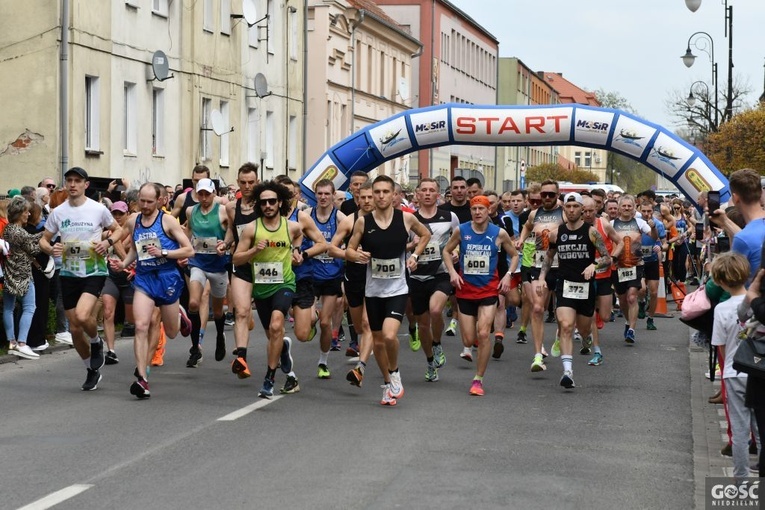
(621, 439)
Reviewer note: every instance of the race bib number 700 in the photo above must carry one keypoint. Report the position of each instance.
(386, 269)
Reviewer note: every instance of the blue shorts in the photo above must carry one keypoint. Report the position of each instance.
(164, 287)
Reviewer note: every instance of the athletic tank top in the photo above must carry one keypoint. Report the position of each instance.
(430, 262)
(544, 223)
(631, 255)
(602, 274)
(576, 251)
(187, 202)
(272, 267)
(385, 272)
(355, 272)
(154, 235)
(324, 266)
(241, 220)
(478, 262)
(206, 230)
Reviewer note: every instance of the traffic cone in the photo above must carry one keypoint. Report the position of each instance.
(678, 294)
(661, 299)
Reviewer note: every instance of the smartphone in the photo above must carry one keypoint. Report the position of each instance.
(699, 231)
(713, 201)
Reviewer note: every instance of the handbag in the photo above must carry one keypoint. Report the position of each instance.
(750, 357)
(696, 304)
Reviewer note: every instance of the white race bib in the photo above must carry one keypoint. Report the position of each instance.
(267, 272)
(77, 250)
(576, 290)
(205, 245)
(539, 258)
(432, 253)
(476, 264)
(646, 250)
(239, 230)
(142, 247)
(627, 274)
(386, 269)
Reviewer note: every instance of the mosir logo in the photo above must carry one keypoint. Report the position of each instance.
(429, 127)
(592, 126)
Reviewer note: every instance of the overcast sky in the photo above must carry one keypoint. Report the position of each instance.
(631, 47)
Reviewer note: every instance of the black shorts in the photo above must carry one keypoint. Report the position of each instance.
(113, 289)
(327, 288)
(243, 272)
(73, 287)
(526, 274)
(551, 279)
(603, 287)
(379, 309)
(651, 270)
(584, 307)
(303, 297)
(420, 291)
(470, 306)
(354, 292)
(280, 300)
(622, 287)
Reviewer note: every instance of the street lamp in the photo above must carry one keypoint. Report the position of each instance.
(691, 100)
(689, 58)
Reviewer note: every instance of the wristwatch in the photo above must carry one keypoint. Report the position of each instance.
(164, 253)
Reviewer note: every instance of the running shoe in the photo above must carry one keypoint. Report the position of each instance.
(341, 334)
(476, 389)
(267, 391)
(195, 357)
(498, 350)
(649, 325)
(599, 322)
(449, 312)
(140, 388)
(314, 329)
(111, 358)
(439, 358)
(522, 338)
(544, 352)
(353, 350)
(290, 386)
(550, 318)
(626, 328)
(629, 337)
(41, 348)
(432, 374)
(335, 345)
(577, 335)
(567, 381)
(92, 380)
(452, 329)
(395, 388)
(128, 330)
(555, 349)
(538, 364)
(159, 355)
(596, 360)
(97, 358)
(586, 345)
(230, 320)
(185, 321)
(323, 371)
(286, 357)
(355, 376)
(467, 354)
(414, 340)
(641, 309)
(240, 368)
(220, 346)
(387, 399)
(64, 337)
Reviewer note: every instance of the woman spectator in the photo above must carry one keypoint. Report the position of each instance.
(36, 338)
(117, 284)
(680, 256)
(18, 277)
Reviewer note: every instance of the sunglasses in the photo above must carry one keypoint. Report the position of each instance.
(268, 201)
(548, 194)
(50, 186)
(534, 201)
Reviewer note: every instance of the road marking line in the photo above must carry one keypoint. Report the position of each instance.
(248, 409)
(57, 497)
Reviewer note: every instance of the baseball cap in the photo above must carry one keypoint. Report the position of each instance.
(120, 206)
(77, 170)
(206, 185)
(573, 197)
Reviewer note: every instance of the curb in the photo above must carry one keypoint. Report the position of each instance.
(54, 347)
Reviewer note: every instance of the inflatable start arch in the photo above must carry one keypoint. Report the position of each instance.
(570, 124)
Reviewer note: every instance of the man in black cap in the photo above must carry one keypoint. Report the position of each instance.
(81, 221)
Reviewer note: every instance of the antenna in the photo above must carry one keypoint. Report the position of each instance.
(249, 13)
(160, 67)
(261, 86)
(218, 124)
(403, 89)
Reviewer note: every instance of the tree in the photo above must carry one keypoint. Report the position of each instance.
(739, 143)
(706, 116)
(556, 172)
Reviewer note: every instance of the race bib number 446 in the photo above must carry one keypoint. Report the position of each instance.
(267, 272)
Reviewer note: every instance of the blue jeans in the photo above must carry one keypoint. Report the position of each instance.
(27, 312)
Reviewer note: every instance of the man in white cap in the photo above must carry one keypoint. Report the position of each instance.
(575, 243)
(206, 227)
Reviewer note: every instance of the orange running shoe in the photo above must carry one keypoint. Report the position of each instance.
(476, 388)
(159, 355)
(599, 322)
(240, 368)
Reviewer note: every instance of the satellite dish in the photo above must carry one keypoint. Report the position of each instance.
(261, 85)
(160, 66)
(403, 89)
(250, 12)
(218, 124)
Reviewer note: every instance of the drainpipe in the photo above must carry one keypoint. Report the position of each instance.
(362, 14)
(63, 88)
(305, 86)
(432, 85)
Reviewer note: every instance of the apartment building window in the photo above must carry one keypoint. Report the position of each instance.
(588, 159)
(382, 73)
(158, 122)
(92, 113)
(253, 130)
(578, 158)
(129, 128)
(270, 21)
(225, 17)
(224, 138)
(370, 72)
(159, 7)
(294, 33)
(343, 121)
(269, 139)
(292, 143)
(206, 143)
(207, 16)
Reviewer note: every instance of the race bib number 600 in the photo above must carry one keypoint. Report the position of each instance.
(386, 269)
(476, 264)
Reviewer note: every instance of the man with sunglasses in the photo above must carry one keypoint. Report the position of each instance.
(271, 245)
(540, 224)
(533, 202)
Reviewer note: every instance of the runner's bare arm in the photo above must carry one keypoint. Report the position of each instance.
(423, 234)
(312, 232)
(605, 260)
(246, 248)
(178, 205)
(448, 255)
(507, 244)
(175, 231)
(352, 252)
(343, 230)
